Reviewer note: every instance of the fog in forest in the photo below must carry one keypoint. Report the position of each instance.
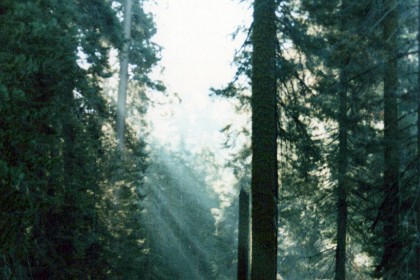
(210, 139)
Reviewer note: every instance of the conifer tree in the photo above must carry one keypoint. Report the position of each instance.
(243, 235)
(342, 184)
(417, 273)
(391, 205)
(123, 77)
(264, 186)
(57, 209)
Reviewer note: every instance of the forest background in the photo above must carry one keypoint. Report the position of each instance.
(347, 104)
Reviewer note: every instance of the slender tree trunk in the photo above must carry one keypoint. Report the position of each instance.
(391, 206)
(264, 142)
(243, 236)
(340, 254)
(418, 147)
(122, 87)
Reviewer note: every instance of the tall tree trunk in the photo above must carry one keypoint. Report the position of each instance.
(340, 254)
(123, 76)
(391, 206)
(418, 147)
(264, 142)
(243, 236)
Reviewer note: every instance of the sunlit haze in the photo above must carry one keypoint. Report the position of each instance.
(197, 53)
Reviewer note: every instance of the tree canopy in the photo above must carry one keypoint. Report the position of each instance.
(326, 168)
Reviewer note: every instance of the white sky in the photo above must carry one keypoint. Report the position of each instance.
(198, 50)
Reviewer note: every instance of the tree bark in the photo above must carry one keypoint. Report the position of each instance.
(340, 254)
(342, 184)
(123, 78)
(264, 142)
(418, 149)
(391, 205)
(243, 236)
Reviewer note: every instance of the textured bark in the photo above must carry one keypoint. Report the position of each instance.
(264, 142)
(418, 148)
(243, 236)
(123, 76)
(391, 207)
(342, 184)
(340, 254)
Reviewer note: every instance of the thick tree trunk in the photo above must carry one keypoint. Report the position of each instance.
(391, 205)
(123, 76)
(243, 236)
(264, 142)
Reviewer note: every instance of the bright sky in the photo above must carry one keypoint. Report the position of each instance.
(197, 53)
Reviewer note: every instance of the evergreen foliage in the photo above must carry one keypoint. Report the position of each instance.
(61, 215)
(344, 112)
(331, 53)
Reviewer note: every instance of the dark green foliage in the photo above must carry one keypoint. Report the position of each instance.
(57, 204)
(326, 48)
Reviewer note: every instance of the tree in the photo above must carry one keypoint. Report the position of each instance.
(123, 77)
(264, 183)
(346, 73)
(418, 146)
(342, 187)
(58, 216)
(391, 212)
(340, 255)
(243, 235)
